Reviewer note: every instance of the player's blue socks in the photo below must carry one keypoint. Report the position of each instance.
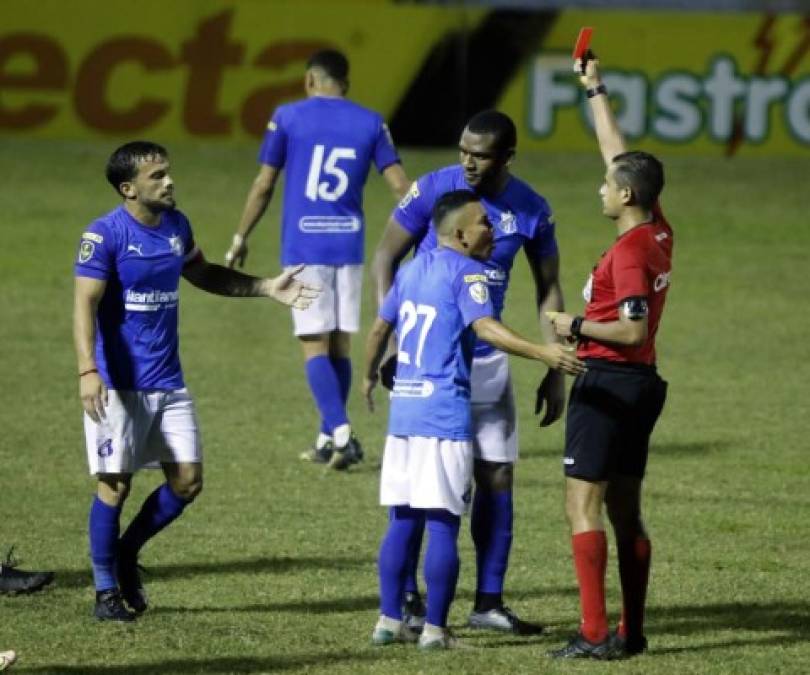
(441, 564)
(326, 390)
(343, 370)
(104, 527)
(491, 525)
(158, 510)
(403, 526)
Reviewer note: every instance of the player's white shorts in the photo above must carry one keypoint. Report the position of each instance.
(426, 473)
(495, 437)
(338, 305)
(143, 429)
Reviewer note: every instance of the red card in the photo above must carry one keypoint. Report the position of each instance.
(583, 41)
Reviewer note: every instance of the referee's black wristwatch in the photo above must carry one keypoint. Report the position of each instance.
(595, 91)
(576, 327)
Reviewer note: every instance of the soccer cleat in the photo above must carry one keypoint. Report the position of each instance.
(627, 647)
(129, 581)
(385, 634)
(7, 659)
(429, 641)
(580, 648)
(413, 612)
(110, 607)
(505, 620)
(351, 453)
(14, 581)
(318, 455)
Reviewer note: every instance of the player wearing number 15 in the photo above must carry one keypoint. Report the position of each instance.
(439, 303)
(327, 145)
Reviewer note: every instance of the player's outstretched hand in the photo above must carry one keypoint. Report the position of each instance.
(563, 358)
(368, 390)
(237, 253)
(589, 77)
(93, 395)
(551, 395)
(289, 291)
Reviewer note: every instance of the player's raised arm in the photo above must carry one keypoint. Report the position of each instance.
(258, 198)
(502, 337)
(87, 295)
(610, 137)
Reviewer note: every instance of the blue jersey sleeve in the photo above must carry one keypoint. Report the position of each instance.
(390, 307)
(472, 294)
(543, 243)
(96, 256)
(385, 154)
(415, 209)
(274, 146)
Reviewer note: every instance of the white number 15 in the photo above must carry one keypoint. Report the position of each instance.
(317, 189)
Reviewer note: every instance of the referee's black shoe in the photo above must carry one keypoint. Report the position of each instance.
(580, 648)
(110, 607)
(14, 581)
(628, 646)
(129, 581)
(351, 453)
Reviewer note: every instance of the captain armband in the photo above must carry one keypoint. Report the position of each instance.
(634, 308)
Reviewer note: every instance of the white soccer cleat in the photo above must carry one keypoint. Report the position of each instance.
(390, 631)
(7, 659)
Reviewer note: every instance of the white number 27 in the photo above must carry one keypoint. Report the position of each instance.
(409, 316)
(318, 189)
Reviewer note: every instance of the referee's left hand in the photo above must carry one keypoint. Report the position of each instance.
(550, 393)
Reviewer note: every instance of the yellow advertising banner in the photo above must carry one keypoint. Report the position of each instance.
(194, 68)
(695, 82)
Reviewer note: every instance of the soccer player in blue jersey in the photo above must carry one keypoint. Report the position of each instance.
(138, 411)
(521, 219)
(439, 303)
(327, 144)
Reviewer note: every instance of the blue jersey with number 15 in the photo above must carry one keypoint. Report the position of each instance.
(433, 303)
(326, 145)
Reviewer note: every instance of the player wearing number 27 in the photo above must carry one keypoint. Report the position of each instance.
(439, 304)
(327, 145)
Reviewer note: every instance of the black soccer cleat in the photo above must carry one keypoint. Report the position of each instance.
(628, 647)
(129, 581)
(318, 455)
(414, 612)
(580, 648)
(505, 620)
(351, 453)
(14, 581)
(110, 607)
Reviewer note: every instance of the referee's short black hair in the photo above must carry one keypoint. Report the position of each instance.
(448, 203)
(642, 173)
(499, 125)
(332, 62)
(122, 166)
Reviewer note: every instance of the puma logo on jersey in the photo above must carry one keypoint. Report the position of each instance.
(135, 247)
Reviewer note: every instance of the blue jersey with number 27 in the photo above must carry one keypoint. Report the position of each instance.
(433, 303)
(326, 146)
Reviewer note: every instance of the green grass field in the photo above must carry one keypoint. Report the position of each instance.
(273, 569)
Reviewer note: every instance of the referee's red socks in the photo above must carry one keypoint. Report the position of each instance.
(590, 561)
(634, 571)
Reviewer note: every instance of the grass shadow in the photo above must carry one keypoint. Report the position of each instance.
(276, 565)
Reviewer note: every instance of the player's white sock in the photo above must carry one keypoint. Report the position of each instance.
(341, 435)
(323, 439)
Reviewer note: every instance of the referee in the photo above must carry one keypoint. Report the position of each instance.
(614, 406)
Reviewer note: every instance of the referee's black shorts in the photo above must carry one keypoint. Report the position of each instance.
(612, 410)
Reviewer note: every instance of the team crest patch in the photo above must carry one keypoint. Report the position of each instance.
(413, 193)
(508, 224)
(479, 292)
(86, 250)
(177, 244)
(92, 236)
(105, 449)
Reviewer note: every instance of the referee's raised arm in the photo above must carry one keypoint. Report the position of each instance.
(610, 137)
